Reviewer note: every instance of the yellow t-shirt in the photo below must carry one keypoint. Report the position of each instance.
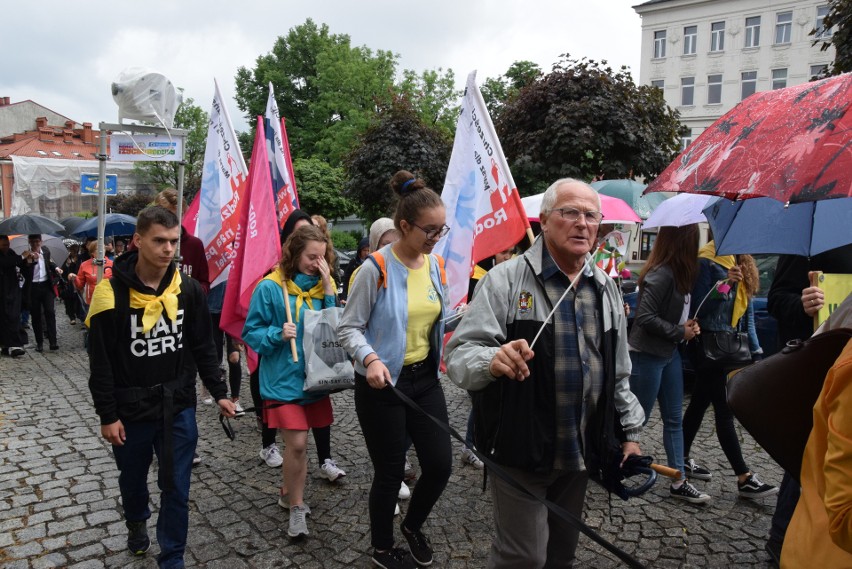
(424, 307)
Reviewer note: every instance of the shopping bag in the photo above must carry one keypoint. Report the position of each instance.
(327, 365)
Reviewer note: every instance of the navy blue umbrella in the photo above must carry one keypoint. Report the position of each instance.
(766, 225)
(114, 224)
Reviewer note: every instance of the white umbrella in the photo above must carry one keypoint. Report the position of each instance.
(58, 251)
(681, 210)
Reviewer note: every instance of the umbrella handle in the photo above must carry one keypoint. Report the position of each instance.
(672, 473)
(645, 486)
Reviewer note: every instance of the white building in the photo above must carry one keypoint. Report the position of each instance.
(708, 55)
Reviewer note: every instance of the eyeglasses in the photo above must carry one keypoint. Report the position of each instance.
(433, 233)
(226, 424)
(572, 214)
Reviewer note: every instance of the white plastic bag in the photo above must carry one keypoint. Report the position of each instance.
(327, 365)
(145, 95)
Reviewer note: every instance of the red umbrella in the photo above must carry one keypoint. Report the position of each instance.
(792, 145)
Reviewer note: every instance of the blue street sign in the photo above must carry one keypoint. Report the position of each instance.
(89, 184)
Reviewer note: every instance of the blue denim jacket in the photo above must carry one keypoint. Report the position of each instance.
(715, 314)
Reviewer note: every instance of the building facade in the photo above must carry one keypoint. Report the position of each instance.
(708, 55)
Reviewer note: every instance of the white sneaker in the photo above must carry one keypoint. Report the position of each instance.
(331, 471)
(467, 457)
(208, 400)
(272, 456)
(298, 524)
(284, 502)
(238, 409)
(404, 492)
(396, 510)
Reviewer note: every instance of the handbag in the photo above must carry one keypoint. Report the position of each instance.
(327, 365)
(727, 349)
(774, 398)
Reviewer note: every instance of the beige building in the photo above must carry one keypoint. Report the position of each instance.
(708, 55)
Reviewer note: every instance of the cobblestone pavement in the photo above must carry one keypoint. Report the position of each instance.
(59, 501)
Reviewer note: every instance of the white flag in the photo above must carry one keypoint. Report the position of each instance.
(484, 210)
(222, 183)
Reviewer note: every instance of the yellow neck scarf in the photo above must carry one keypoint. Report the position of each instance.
(317, 291)
(727, 261)
(104, 299)
(154, 305)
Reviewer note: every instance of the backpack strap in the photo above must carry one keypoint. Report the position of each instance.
(379, 260)
(442, 269)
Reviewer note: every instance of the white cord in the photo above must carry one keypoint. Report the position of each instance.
(586, 269)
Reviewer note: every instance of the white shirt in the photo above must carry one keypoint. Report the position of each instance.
(39, 269)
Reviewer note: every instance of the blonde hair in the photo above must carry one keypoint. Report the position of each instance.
(751, 274)
(168, 199)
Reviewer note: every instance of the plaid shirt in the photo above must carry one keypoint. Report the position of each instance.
(578, 362)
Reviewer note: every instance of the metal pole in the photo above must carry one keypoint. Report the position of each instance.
(102, 158)
(179, 212)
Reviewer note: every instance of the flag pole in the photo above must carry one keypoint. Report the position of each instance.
(289, 319)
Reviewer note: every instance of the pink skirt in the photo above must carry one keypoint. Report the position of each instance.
(295, 417)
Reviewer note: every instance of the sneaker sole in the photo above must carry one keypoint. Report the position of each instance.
(138, 552)
(297, 534)
(757, 495)
(691, 500)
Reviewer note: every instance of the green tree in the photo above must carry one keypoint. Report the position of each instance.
(128, 204)
(433, 96)
(326, 89)
(163, 175)
(497, 91)
(839, 20)
(320, 188)
(583, 120)
(397, 140)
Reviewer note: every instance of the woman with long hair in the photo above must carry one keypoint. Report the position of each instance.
(719, 311)
(661, 324)
(751, 282)
(303, 278)
(393, 327)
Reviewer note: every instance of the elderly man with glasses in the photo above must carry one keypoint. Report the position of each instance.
(541, 405)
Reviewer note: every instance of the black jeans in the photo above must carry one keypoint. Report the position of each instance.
(43, 303)
(386, 423)
(235, 371)
(710, 388)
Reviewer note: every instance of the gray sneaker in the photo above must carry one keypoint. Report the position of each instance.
(284, 502)
(298, 522)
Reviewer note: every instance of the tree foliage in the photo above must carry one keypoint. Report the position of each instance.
(584, 120)
(497, 91)
(433, 96)
(128, 204)
(163, 175)
(326, 89)
(839, 19)
(320, 188)
(397, 140)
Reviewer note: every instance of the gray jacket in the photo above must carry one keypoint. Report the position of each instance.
(657, 329)
(511, 303)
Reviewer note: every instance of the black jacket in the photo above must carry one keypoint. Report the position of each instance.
(657, 329)
(123, 359)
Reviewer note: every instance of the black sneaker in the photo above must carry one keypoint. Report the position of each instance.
(696, 471)
(394, 558)
(137, 538)
(419, 546)
(752, 488)
(689, 493)
(17, 351)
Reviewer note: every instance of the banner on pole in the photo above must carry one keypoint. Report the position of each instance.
(145, 148)
(222, 183)
(280, 165)
(89, 184)
(484, 210)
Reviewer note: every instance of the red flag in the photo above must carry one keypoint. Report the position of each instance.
(256, 246)
(190, 216)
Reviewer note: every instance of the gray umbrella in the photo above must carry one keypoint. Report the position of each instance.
(70, 224)
(29, 223)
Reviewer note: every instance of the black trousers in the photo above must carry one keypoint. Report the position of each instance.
(10, 319)
(387, 422)
(43, 304)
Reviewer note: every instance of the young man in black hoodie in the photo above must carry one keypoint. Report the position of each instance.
(142, 322)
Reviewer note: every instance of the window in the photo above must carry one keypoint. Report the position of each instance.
(55, 153)
(690, 40)
(659, 44)
(783, 27)
(41, 152)
(819, 28)
(752, 31)
(687, 91)
(779, 78)
(717, 36)
(685, 138)
(749, 83)
(818, 70)
(658, 83)
(714, 89)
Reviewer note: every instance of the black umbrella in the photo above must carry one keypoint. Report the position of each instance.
(29, 223)
(70, 224)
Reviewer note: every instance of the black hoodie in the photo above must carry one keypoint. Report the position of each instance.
(123, 358)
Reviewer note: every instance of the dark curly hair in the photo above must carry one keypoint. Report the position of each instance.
(295, 246)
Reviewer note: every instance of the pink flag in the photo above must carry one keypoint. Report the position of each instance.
(256, 246)
(190, 216)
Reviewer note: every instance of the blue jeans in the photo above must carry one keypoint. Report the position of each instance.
(133, 461)
(661, 379)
